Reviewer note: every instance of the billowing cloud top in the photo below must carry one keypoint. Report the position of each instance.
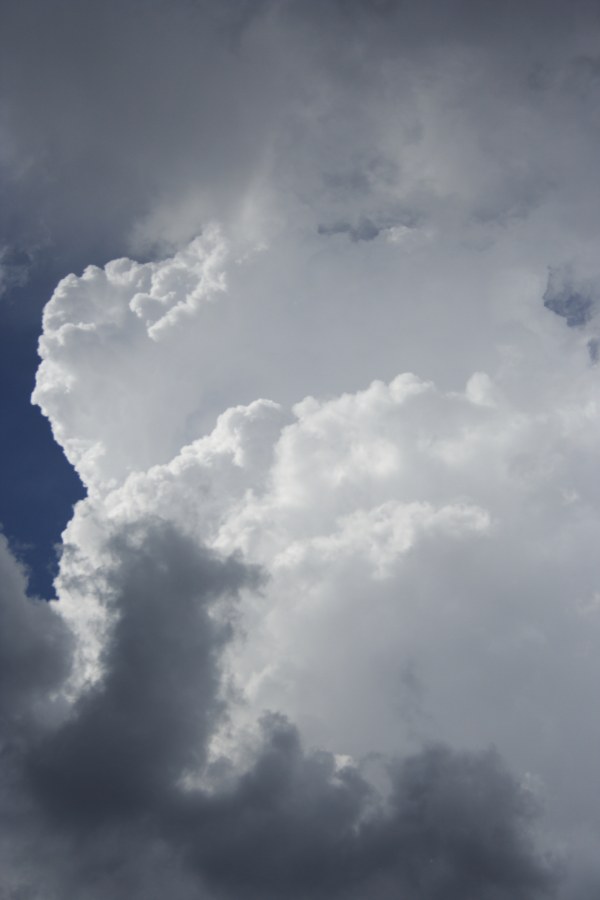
(328, 617)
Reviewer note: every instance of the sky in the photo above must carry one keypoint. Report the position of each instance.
(300, 593)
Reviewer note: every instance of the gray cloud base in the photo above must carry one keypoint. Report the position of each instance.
(95, 800)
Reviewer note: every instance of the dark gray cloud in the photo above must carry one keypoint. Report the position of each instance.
(98, 801)
(150, 717)
(454, 827)
(364, 230)
(34, 652)
(108, 108)
(569, 297)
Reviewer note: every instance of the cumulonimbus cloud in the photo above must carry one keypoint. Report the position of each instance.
(340, 532)
(405, 550)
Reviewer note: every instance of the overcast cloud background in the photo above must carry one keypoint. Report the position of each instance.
(319, 351)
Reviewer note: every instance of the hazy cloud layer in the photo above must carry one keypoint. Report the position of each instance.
(137, 123)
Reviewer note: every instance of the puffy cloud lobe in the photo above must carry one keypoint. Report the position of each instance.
(134, 304)
(272, 322)
(379, 501)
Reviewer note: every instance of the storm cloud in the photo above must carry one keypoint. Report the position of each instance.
(99, 799)
(322, 349)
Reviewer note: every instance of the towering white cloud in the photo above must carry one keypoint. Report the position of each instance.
(428, 553)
